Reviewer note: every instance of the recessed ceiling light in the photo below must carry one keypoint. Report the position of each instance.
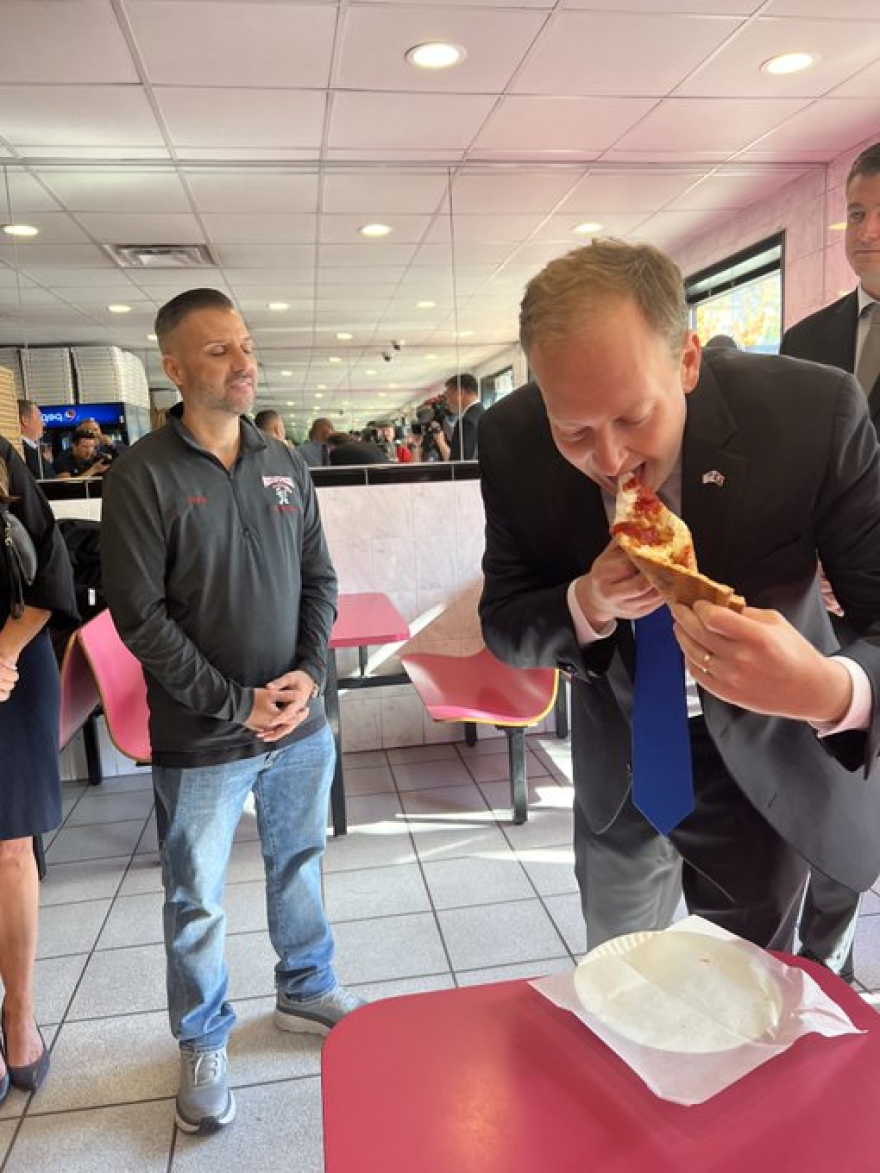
(392, 386)
(435, 55)
(318, 395)
(290, 403)
(322, 386)
(343, 336)
(371, 372)
(789, 63)
(20, 230)
(119, 309)
(430, 357)
(278, 306)
(381, 394)
(587, 228)
(374, 230)
(840, 226)
(425, 305)
(334, 359)
(152, 338)
(464, 333)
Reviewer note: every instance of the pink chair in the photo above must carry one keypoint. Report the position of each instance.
(481, 690)
(121, 687)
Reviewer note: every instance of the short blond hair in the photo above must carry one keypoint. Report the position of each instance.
(572, 289)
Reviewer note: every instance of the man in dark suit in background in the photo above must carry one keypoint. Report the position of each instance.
(772, 463)
(839, 336)
(463, 400)
(30, 422)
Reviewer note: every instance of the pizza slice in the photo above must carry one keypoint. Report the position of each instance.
(661, 546)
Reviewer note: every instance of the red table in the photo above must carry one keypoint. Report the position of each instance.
(495, 1079)
(362, 620)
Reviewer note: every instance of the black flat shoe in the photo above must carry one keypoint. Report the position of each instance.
(4, 1082)
(29, 1077)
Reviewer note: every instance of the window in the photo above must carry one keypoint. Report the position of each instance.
(741, 297)
(495, 387)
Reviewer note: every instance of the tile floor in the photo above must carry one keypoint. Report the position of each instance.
(433, 887)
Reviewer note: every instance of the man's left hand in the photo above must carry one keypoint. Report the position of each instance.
(295, 711)
(758, 661)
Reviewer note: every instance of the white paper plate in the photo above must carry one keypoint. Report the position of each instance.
(680, 991)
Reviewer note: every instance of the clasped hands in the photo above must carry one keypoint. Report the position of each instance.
(756, 659)
(8, 677)
(281, 706)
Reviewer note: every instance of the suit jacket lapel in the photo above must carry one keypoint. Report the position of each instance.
(713, 476)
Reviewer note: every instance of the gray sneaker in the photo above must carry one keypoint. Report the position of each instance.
(316, 1015)
(204, 1101)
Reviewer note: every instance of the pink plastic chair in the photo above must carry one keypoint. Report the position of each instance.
(120, 684)
(481, 690)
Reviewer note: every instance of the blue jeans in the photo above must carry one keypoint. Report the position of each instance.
(291, 788)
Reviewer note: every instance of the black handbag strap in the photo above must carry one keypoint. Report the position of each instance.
(14, 569)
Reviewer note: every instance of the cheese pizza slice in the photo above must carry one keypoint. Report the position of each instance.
(661, 546)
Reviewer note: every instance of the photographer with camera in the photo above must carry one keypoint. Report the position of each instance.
(463, 400)
(81, 459)
(430, 418)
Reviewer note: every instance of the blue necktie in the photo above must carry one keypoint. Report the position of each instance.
(662, 778)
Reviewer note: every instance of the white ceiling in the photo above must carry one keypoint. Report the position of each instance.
(271, 130)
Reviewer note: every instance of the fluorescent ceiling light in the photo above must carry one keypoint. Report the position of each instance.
(334, 359)
(286, 374)
(119, 309)
(789, 63)
(588, 228)
(152, 338)
(425, 305)
(435, 55)
(343, 336)
(278, 306)
(20, 230)
(374, 230)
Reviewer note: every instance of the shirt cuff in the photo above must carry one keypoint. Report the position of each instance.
(583, 629)
(858, 715)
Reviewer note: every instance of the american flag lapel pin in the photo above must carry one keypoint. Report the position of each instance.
(714, 477)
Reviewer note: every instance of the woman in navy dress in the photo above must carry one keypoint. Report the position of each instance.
(30, 786)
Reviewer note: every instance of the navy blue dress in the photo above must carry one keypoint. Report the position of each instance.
(30, 786)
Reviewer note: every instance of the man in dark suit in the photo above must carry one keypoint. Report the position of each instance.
(772, 463)
(463, 400)
(30, 422)
(838, 336)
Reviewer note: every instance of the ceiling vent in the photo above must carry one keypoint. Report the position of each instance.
(161, 256)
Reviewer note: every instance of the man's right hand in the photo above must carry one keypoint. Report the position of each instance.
(614, 589)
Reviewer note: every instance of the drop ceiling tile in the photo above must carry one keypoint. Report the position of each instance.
(486, 229)
(374, 276)
(570, 125)
(105, 190)
(29, 295)
(253, 191)
(371, 121)
(841, 49)
(60, 41)
(109, 278)
(384, 155)
(244, 155)
(265, 228)
(299, 257)
(710, 124)
(865, 84)
(382, 192)
(695, 7)
(373, 252)
(89, 116)
(560, 228)
(55, 228)
(843, 9)
(54, 257)
(278, 119)
(81, 154)
(142, 227)
(583, 54)
(481, 253)
(375, 40)
(157, 278)
(831, 126)
(25, 195)
(630, 190)
(517, 191)
(731, 192)
(234, 44)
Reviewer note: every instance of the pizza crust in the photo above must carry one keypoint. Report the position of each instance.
(677, 584)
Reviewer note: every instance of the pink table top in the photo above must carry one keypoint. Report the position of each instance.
(495, 1079)
(366, 619)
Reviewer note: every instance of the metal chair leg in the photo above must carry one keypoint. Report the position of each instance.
(93, 752)
(560, 709)
(519, 793)
(470, 732)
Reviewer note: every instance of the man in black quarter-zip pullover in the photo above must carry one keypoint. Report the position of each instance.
(220, 582)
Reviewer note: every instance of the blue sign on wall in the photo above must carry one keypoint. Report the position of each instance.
(71, 415)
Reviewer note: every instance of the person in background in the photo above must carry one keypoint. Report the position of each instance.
(30, 422)
(30, 785)
(783, 729)
(219, 580)
(314, 450)
(347, 449)
(463, 399)
(271, 423)
(387, 440)
(840, 335)
(107, 449)
(81, 458)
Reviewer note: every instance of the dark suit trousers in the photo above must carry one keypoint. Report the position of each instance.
(736, 871)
